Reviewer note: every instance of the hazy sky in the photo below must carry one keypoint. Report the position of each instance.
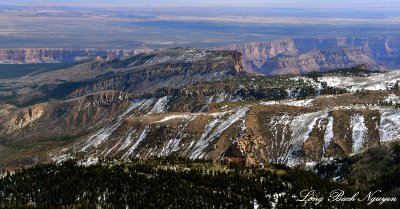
(351, 4)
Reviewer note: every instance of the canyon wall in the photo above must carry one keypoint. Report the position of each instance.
(302, 55)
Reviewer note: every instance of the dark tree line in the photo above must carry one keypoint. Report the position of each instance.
(160, 183)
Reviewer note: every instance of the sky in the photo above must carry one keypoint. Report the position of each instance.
(324, 4)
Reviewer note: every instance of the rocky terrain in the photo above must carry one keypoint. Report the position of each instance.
(301, 55)
(287, 131)
(196, 104)
(138, 75)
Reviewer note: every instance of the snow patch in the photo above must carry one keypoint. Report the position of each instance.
(392, 98)
(138, 141)
(221, 97)
(160, 106)
(380, 81)
(128, 141)
(171, 117)
(389, 125)
(328, 136)
(297, 103)
(279, 136)
(89, 161)
(173, 144)
(301, 127)
(360, 132)
(214, 129)
(103, 134)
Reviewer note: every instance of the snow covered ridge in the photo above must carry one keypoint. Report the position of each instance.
(380, 81)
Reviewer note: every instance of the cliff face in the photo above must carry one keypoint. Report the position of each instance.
(30, 56)
(323, 60)
(257, 54)
(381, 48)
(302, 55)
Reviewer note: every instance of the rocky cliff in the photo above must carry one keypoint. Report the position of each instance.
(317, 61)
(303, 55)
(60, 55)
(257, 54)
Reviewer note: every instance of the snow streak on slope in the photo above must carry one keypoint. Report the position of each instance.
(360, 132)
(106, 132)
(171, 117)
(328, 136)
(288, 134)
(160, 106)
(173, 144)
(138, 141)
(390, 125)
(145, 105)
(128, 141)
(301, 127)
(296, 103)
(213, 130)
(279, 127)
